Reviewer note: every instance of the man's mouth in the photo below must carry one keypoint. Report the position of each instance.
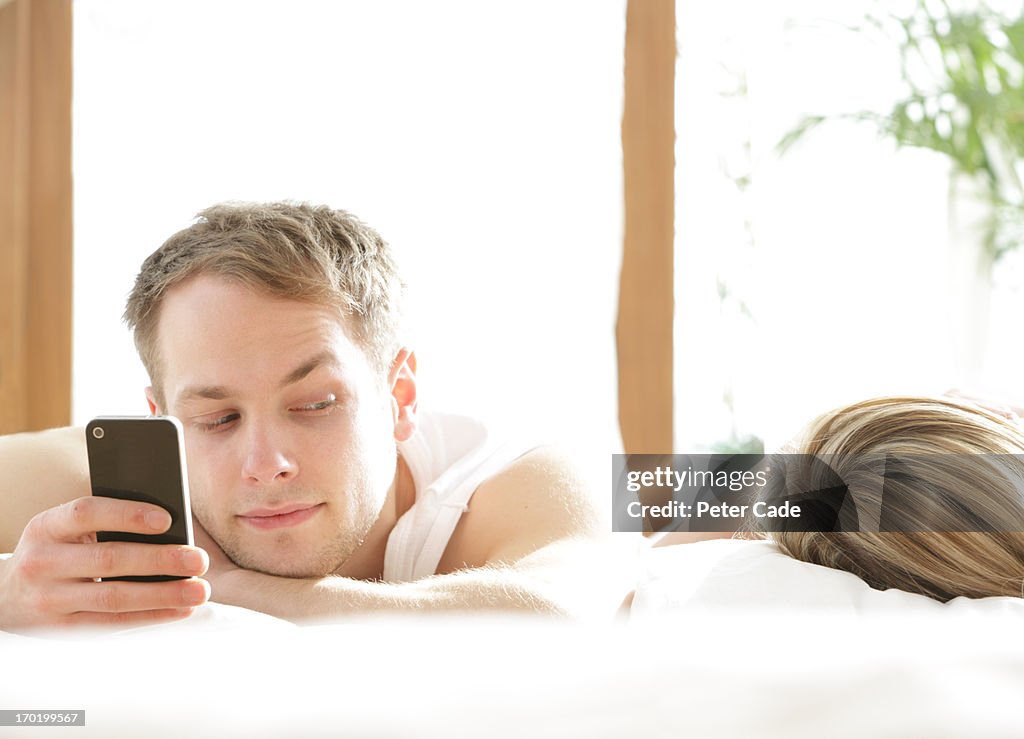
(275, 518)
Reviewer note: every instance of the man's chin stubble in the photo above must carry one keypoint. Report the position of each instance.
(323, 563)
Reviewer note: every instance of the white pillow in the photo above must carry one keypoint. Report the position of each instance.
(736, 573)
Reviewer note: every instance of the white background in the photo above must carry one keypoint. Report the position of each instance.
(851, 274)
(480, 139)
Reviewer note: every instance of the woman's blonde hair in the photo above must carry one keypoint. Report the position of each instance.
(925, 548)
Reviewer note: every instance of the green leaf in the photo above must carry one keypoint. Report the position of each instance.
(806, 124)
(976, 58)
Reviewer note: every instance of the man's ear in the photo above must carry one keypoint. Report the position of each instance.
(154, 409)
(402, 383)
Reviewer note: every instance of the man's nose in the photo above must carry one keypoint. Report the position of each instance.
(266, 457)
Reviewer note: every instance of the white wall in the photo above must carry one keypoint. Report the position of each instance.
(481, 139)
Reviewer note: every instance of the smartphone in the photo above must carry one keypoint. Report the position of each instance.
(142, 458)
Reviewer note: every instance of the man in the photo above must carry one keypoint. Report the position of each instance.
(272, 332)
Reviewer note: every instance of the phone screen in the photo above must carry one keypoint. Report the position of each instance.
(141, 459)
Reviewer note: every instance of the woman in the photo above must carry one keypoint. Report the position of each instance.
(954, 525)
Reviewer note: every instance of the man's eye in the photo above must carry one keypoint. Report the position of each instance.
(327, 404)
(217, 423)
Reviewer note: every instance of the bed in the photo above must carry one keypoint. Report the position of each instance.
(723, 638)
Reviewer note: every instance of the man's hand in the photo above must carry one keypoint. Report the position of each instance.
(50, 580)
(220, 566)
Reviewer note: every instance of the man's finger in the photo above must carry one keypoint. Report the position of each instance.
(118, 559)
(118, 597)
(127, 618)
(70, 521)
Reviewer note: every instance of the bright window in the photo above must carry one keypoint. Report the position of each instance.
(836, 272)
(480, 139)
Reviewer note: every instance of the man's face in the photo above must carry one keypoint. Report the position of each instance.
(289, 431)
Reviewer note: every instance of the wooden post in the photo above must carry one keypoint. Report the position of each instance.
(644, 327)
(35, 214)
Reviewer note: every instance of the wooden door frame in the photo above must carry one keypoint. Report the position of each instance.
(35, 214)
(643, 331)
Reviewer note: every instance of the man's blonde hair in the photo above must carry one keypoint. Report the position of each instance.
(915, 555)
(295, 251)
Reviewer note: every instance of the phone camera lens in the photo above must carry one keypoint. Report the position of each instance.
(98, 432)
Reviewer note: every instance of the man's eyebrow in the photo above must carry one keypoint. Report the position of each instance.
(197, 392)
(326, 357)
(219, 392)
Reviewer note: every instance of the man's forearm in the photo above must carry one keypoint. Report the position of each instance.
(483, 589)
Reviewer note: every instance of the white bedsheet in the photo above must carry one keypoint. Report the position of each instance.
(715, 675)
(693, 661)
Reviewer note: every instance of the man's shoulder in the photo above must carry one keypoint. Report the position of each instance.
(39, 470)
(542, 496)
(67, 438)
(549, 478)
(452, 449)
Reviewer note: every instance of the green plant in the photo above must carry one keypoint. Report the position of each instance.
(964, 77)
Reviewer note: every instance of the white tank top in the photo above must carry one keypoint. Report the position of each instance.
(449, 456)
